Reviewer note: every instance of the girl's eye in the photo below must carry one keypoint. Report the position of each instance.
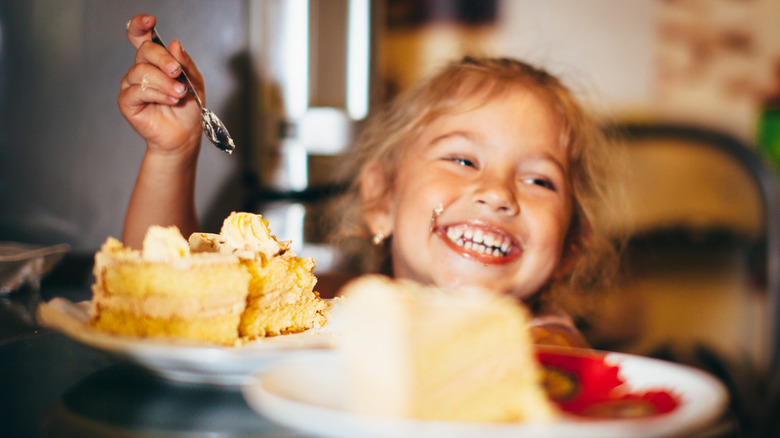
(465, 162)
(540, 182)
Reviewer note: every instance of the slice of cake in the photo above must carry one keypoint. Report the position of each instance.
(281, 297)
(421, 352)
(165, 290)
(224, 288)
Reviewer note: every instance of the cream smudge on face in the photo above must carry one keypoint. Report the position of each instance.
(434, 216)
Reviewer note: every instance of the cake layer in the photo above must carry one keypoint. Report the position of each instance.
(156, 306)
(220, 329)
(489, 389)
(142, 280)
(270, 321)
(281, 297)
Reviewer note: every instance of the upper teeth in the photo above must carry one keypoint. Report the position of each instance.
(476, 239)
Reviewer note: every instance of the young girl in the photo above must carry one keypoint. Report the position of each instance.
(488, 174)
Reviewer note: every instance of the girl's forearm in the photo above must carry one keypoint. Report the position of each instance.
(164, 194)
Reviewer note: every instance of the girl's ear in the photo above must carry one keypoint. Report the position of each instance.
(375, 189)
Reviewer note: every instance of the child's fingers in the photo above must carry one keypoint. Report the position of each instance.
(138, 97)
(184, 59)
(150, 85)
(139, 29)
(155, 54)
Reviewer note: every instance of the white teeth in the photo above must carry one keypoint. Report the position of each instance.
(480, 241)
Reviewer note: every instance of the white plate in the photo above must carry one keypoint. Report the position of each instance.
(308, 395)
(185, 361)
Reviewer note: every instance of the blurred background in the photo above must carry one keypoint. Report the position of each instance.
(69, 159)
(697, 80)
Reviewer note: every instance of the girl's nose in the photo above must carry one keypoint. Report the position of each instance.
(498, 195)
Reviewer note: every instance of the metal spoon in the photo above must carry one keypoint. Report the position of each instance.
(213, 127)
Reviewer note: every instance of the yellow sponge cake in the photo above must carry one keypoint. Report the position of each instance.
(165, 290)
(420, 352)
(222, 288)
(281, 297)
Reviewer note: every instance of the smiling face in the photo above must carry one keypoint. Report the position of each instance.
(499, 172)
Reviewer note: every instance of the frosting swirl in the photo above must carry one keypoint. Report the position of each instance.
(162, 244)
(250, 232)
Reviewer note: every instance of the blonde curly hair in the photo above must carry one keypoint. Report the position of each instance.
(387, 133)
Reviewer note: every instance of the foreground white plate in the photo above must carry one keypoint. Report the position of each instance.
(308, 395)
(181, 360)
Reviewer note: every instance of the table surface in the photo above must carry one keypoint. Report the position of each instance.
(52, 386)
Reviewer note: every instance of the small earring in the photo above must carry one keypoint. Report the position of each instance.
(378, 238)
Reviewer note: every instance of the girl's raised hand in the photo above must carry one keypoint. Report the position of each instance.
(157, 105)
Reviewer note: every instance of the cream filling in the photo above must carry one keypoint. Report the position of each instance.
(162, 244)
(214, 243)
(168, 307)
(105, 260)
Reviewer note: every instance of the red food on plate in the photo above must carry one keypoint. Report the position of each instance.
(583, 384)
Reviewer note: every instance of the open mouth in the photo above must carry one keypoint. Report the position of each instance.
(483, 242)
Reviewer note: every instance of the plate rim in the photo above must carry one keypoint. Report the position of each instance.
(171, 358)
(689, 417)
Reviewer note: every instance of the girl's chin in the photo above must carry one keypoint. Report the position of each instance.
(492, 286)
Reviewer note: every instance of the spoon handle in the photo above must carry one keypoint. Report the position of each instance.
(213, 127)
